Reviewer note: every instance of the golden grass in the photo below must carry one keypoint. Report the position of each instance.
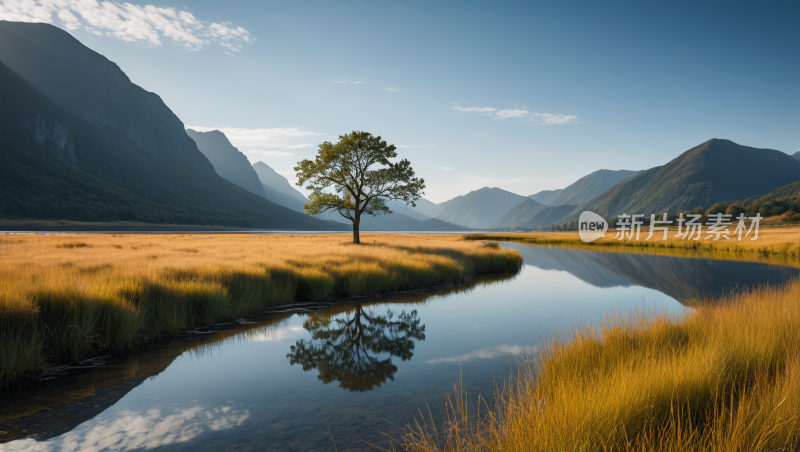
(772, 241)
(723, 377)
(63, 295)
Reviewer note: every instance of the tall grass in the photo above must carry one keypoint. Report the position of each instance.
(60, 298)
(772, 241)
(724, 377)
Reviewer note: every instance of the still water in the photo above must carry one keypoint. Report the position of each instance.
(359, 367)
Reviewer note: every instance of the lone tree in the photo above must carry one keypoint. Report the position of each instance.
(348, 168)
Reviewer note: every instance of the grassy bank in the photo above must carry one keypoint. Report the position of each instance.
(64, 295)
(772, 241)
(723, 377)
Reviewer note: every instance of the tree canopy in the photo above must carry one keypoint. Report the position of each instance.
(355, 176)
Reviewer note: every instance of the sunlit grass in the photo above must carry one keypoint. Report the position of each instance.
(62, 296)
(723, 377)
(772, 241)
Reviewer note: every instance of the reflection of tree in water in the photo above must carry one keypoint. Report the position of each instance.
(344, 349)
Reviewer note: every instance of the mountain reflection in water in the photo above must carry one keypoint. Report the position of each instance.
(686, 279)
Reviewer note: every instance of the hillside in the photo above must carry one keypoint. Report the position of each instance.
(397, 222)
(91, 87)
(56, 165)
(520, 215)
(428, 208)
(715, 171)
(546, 196)
(591, 186)
(548, 216)
(228, 162)
(796, 155)
(479, 208)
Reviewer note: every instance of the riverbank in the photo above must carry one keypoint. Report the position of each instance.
(63, 296)
(722, 377)
(772, 241)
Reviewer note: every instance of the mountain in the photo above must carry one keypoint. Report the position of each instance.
(591, 186)
(397, 222)
(428, 208)
(407, 210)
(96, 90)
(479, 208)
(548, 216)
(228, 162)
(715, 171)
(796, 155)
(57, 164)
(546, 196)
(520, 215)
(271, 178)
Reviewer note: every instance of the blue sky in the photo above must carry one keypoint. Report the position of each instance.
(521, 96)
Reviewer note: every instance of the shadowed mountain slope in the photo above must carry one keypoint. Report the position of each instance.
(715, 171)
(56, 165)
(546, 196)
(796, 155)
(96, 90)
(479, 208)
(591, 186)
(229, 163)
(520, 215)
(428, 208)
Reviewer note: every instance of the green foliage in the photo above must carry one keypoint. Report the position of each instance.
(348, 169)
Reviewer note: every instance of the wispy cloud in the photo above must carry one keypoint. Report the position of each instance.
(478, 109)
(545, 152)
(348, 82)
(145, 25)
(392, 89)
(512, 113)
(484, 353)
(551, 119)
(447, 168)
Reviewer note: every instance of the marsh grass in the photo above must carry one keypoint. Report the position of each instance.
(723, 377)
(772, 241)
(60, 300)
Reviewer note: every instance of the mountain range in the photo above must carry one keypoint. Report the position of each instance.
(80, 141)
(715, 171)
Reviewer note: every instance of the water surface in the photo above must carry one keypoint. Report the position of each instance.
(359, 366)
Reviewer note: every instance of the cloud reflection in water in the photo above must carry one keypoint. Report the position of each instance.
(130, 430)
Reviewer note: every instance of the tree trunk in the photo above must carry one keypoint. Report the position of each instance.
(356, 238)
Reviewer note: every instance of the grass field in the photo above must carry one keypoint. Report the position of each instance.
(62, 296)
(772, 241)
(722, 377)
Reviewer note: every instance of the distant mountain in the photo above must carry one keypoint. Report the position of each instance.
(272, 179)
(397, 222)
(548, 216)
(546, 196)
(796, 155)
(479, 208)
(715, 171)
(407, 210)
(591, 186)
(520, 215)
(61, 163)
(229, 163)
(428, 208)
